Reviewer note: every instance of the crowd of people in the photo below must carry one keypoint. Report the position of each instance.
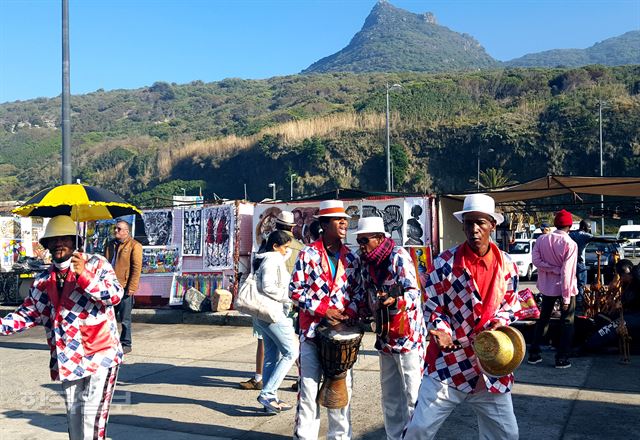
(472, 288)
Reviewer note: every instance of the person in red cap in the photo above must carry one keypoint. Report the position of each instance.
(556, 255)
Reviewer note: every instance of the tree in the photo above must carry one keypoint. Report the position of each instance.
(494, 178)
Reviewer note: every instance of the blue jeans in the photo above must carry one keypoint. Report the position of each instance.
(123, 315)
(581, 274)
(281, 349)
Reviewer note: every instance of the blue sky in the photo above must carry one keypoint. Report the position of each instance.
(127, 44)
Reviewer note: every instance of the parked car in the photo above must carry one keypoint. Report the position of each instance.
(538, 232)
(521, 253)
(631, 233)
(611, 252)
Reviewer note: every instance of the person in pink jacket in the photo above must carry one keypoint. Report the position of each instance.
(556, 255)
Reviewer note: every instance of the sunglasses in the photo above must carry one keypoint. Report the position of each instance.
(363, 240)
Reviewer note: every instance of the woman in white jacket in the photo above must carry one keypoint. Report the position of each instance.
(280, 341)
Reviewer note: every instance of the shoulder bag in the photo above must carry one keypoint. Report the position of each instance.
(252, 302)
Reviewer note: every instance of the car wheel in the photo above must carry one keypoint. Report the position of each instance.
(529, 275)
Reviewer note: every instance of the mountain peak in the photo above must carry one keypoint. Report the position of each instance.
(393, 39)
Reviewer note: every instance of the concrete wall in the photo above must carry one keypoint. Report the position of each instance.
(450, 233)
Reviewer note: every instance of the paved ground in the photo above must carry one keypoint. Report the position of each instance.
(180, 383)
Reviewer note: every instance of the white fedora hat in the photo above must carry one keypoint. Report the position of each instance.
(371, 225)
(331, 208)
(285, 218)
(479, 203)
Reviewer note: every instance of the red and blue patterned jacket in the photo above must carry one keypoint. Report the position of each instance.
(313, 290)
(401, 270)
(80, 326)
(454, 305)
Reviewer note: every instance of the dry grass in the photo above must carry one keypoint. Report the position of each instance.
(289, 132)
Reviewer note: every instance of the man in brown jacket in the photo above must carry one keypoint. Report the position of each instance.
(125, 255)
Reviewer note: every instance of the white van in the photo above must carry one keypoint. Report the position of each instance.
(521, 252)
(632, 234)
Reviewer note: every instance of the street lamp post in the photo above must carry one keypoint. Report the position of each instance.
(184, 192)
(273, 186)
(291, 181)
(601, 168)
(394, 86)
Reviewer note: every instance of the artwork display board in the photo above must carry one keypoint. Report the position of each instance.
(160, 260)
(417, 228)
(10, 228)
(219, 232)
(406, 219)
(264, 220)
(157, 228)
(206, 283)
(12, 250)
(422, 261)
(100, 232)
(192, 232)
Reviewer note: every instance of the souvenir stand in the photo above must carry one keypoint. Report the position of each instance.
(21, 256)
(410, 219)
(193, 246)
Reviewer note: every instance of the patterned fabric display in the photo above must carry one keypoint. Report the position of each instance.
(314, 290)
(84, 307)
(400, 270)
(454, 305)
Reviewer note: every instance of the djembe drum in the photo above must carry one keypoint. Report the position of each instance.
(338, 348)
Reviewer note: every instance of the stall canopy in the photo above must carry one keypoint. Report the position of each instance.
(349, 194)
(558, 185)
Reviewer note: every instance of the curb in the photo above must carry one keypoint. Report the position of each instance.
(177, 316)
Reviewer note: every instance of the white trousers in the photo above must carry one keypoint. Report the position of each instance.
(307, 423)
(436, 401)
(88, 401)
(400, 376)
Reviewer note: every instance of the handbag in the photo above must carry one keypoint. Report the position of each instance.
(254, 303)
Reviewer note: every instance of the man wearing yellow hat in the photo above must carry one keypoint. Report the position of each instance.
(74, 302)
(471, 289)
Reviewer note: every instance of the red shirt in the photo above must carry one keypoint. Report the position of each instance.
(482, 268)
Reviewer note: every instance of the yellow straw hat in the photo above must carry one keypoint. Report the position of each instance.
(59, 226)
(499, 351)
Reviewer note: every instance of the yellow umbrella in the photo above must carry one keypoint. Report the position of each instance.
(81, 202)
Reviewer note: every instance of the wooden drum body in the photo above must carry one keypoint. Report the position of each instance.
(338, 350)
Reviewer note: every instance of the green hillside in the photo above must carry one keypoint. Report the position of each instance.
(616, 51)
(329, 130)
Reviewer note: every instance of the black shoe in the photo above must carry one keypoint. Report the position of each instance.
(563, 363)
(126, 349)
(534, 358)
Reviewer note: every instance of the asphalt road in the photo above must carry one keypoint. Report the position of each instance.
(180, 382)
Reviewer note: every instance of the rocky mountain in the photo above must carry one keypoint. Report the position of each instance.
(395, 40)
(616, 51)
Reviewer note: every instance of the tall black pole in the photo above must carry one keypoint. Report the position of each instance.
(66, 107)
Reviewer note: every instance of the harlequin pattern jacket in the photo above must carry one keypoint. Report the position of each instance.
(314, 291)
(400, 270)
(80, 324)
(454, 305)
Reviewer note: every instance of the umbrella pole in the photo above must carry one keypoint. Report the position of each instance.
(77, 229)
